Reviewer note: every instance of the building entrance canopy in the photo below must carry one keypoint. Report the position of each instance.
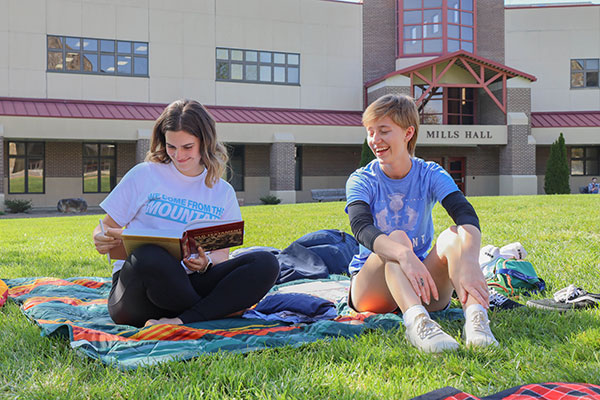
(456, 70)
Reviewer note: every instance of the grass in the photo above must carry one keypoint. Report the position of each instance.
(561, 234)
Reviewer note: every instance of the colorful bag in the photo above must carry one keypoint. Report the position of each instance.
(515, 277)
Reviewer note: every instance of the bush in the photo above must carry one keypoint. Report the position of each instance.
(270, 199)
(366, 156)
(556, 180)
(18, 206)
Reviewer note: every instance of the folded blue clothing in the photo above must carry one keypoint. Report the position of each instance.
(293, 308)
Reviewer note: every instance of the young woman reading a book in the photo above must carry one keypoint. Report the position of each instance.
(389, 204)
(179, 182)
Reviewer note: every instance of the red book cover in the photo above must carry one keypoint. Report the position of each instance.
(214, 237)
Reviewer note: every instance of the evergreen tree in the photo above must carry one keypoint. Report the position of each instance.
(366, 155)
(556, 180)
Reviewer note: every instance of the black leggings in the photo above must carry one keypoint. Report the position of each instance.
(152, 284)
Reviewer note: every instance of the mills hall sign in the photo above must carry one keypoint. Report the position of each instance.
(467, 135)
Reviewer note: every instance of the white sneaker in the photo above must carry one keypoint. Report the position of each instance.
(477, 330)
(427, 335)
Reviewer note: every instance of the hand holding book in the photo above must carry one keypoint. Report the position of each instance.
(207, 235)
(196, 262)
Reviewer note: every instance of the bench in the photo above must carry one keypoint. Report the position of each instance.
(328, 194)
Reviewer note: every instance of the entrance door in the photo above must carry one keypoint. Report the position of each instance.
(456, 169)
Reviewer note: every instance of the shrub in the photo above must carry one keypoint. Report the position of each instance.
(270, 199)
(18, 206)
(366, 156)
(556, 180)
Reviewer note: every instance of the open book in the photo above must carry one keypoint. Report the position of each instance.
(208, 234)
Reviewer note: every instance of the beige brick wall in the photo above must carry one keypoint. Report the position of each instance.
(282, 166)
(490, 30)
(379, 38)
(518, 157)
(519, 100)
(330, 160)
(142, 147)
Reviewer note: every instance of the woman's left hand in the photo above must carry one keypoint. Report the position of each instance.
(475, 286)
(198, 262)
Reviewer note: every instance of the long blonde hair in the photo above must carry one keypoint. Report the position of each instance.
(191, 117)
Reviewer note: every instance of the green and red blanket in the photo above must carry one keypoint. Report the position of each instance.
(76, 308)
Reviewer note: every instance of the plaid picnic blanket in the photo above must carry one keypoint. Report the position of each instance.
(76, 308)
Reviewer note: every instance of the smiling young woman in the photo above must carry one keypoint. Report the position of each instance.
(389, 204)
(180, 181)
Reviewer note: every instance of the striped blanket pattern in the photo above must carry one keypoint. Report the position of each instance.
(76, 308)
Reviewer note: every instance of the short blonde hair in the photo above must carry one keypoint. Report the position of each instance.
(191, 117)
(401, 109)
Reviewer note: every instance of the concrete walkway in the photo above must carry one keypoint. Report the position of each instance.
(44, 213)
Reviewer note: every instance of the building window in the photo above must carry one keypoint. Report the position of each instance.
(584, 73)
(460, 106)
(235, 169)
(97, 56)
(26, 167)
(450, 105)
(432, 110)
(584, 160)
(298, 169)
(431, 27)
(99, 167)
(258, 66)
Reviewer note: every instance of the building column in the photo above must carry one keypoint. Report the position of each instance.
(2, 197)
(283, 167)
(517, 158)
(142, 145)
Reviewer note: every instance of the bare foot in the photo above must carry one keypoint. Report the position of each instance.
(164, 321)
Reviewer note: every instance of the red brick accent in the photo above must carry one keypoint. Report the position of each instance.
(64, 159)
(490, 30)
(330, 160)
(480, 161)
(379, 38)
(256, 160)
(126, 157)
(3, 164)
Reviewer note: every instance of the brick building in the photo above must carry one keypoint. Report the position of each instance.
(81, 83)
(495, 85)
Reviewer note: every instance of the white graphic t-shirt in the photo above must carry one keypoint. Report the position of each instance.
(157, 196)
(400, 204)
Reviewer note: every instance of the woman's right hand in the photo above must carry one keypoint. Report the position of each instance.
(420, 279)
(104, 242)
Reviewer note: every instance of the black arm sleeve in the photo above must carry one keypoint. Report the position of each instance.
(460, 210)
(361, 223)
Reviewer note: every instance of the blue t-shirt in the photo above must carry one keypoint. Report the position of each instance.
(400, 204)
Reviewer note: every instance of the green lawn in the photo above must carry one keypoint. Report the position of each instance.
(561, 234)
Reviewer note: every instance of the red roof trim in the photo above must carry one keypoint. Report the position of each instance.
(565, 119)
(542, 6)
(55, 108)
(449, 57)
